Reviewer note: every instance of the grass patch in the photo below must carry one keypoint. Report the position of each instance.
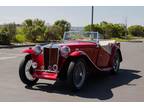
(121, 39)
(126, 39)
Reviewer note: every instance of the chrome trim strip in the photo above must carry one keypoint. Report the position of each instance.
(94, 63)
(85, 54)
(58, 55)
(98, 67)
(50, 71)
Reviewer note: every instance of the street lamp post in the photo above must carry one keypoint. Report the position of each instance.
(92, 14)
(126, 27)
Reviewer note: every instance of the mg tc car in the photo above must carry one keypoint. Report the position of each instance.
(71, 59)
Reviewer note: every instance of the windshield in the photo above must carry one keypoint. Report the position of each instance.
(81, 36)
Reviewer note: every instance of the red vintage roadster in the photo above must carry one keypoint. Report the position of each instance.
(71, 60)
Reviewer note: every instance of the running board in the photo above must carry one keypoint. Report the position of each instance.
(106, 69)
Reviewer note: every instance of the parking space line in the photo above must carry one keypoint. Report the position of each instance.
(10, 57)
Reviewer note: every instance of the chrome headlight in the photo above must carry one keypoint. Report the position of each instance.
(64, 50)
(37, 49)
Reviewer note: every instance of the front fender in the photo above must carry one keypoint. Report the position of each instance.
(83, 55)
(73, 56)
(77, 54)
(29, 51)
(65, 64)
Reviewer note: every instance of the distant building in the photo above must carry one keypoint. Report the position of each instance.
(77, 28)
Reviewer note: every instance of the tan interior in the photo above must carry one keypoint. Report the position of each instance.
(106, 42)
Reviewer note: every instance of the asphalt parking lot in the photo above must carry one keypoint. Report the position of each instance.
(128, 85)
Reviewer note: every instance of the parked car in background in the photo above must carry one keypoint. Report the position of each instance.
(70, 60)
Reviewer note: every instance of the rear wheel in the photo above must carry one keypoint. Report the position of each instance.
(77, 74)
(26, 71)
(116, 63)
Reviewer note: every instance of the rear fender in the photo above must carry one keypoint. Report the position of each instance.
(118, 50)
(114, 51)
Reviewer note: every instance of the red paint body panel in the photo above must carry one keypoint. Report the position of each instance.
(84, 48)
(29, 51)
(100, 58)
(103, 58)
(45, 75)
(75, 53)
(39, 59)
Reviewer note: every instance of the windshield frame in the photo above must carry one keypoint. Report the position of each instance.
(96, 40)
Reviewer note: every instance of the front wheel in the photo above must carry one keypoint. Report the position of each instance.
(76, 74)
(26, 71)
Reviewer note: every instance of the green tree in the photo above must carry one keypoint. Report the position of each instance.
(96, 28)
(52, 33)
(33, 28)
(4, 36)
(65, 25)
(119, 30)
(7, 33)
(11, 30)
(108, 30)
(136, 30)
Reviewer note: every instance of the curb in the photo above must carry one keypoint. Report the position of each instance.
(14, 46)
(136, 41)
(17, 46)
(133, 41)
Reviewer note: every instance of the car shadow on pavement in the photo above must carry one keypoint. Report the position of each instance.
(98, 86)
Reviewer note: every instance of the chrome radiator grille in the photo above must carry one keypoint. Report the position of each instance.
(51, 56)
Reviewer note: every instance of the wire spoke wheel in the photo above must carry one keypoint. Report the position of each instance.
(79, 74)
(26, 71)
(29, 71)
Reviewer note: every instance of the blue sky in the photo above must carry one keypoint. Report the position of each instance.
(77, 15)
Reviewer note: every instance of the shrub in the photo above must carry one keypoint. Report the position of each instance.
(108, 30)
(20, 38)
(136, 30)
(4, 38)
(7, 33)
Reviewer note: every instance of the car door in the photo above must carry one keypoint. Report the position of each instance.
(91, 51)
